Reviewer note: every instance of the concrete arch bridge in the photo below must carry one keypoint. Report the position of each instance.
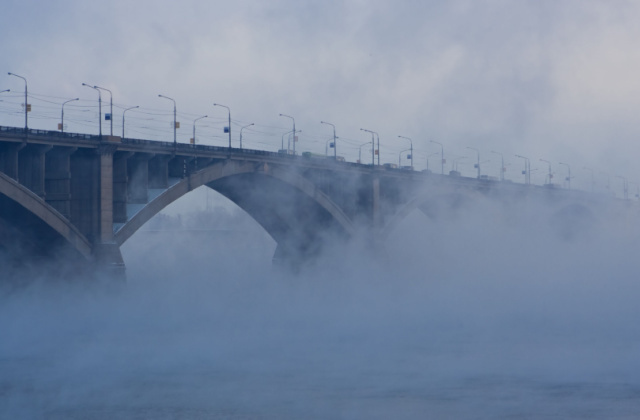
(89, 194)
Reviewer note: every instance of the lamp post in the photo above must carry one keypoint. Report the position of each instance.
(123, 112)
(428, 156)
(625, 187)
(550, 176)
(400, 157)
(360, 151)
(194, 128)
(175, 123)
(593, 182)
(326, 147)
(26, 105)
(411, 149)
(454, 163)
(99, 108)
(294, 133)
(441, 155)
(229, 128)
(477, 165)
(569, 176)
(110, 107)
(527, 169)
(288, 141)
(637, 195)
(373, 142)
(335, 147)
(62, 113)
(282, 144)
(378, 149)
(502, 168)
(242, 128)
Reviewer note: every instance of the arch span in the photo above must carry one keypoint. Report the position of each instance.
(434, 204)
(47, 214)
(215, 176)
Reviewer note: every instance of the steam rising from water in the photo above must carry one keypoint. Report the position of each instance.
(490, 314)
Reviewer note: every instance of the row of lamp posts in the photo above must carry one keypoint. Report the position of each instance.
(526, 172)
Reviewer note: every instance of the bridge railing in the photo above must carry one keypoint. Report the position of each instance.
(47, 133)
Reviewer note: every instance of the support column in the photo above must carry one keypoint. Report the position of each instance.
(106, 251)
(31, 167)
(57, 179)
(120, 182)
(9, 158)
(138, 185)
(106, 193)
(159, 172)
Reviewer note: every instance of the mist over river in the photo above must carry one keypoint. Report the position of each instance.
(491, 313)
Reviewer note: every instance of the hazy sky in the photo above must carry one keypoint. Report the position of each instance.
(555, 80)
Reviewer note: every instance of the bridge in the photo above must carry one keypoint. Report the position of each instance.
(88, 194)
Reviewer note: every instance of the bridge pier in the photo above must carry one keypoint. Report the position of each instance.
(31, 172)
(9, 158)
(138, 177)
(57, 179)
(106, 252)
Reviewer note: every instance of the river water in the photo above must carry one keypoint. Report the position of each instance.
(479, 317)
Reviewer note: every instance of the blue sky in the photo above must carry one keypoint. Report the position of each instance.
(554, 80)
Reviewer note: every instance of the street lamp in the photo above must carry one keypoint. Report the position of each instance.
(360, 151)
(625, 187)
(326, 146)
(477, 165)
(228, 128)
(242, 128)
(294, 133)
(502, 168)
(282, 143)
(593, 182)
(569, 176)
(373, 140)
(550, 176)
(441, 155)
(62, 113)
(288, 141)
(454, 163)
(400, 157)
(428, 156)
(26, 105)
(335, 147)
(110, 106)
(175, 123)
(99, 107)
(411, 143)
(527, 169)
(378, 149)
(637, 195)
(123, 112)
(194, 128)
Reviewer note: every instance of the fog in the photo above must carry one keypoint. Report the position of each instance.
(490, 311)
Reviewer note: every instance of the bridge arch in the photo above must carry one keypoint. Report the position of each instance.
(31, 202)
(229, 178)
(432, 204)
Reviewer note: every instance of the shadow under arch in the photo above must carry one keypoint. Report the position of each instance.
(22, 196)
(289, 207)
